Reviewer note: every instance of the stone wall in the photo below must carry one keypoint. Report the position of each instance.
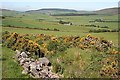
(40, 68)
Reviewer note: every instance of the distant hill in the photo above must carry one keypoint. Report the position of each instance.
(57, 11)
(108, 11)
(64, 12)
(6, 12)
(52, 11)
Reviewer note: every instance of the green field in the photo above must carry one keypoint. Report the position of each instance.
(13, 70)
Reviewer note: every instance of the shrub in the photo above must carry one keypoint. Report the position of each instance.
(3, 17)
(56, 29)
(52, 46)
(40, 42)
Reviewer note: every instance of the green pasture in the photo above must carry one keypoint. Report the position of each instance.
(10, 67)
(32, 20)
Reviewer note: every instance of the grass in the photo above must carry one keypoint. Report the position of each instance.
(10, 67)
(30, 20)
(75, 63)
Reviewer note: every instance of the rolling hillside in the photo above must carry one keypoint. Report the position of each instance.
(108, 11)
(57, 11)
(6, 12)
(52, 11)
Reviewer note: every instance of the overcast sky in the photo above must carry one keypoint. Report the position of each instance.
(25, 5)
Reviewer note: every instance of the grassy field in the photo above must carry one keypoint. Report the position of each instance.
(10, 67)
(76, 63)
(52, 21)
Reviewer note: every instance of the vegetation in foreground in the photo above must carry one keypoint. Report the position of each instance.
(10, 67)
(70, 56)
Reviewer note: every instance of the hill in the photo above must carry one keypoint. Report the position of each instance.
(62, 12)
(108, 11)
(7, 12)
(52, 11)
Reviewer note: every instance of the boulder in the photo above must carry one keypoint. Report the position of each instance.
(24, 55)
(17, 53)
(45, 71)
(28, 53)
(33, 65)
(25, 71)
(30, 62)
(32, 59)
(35, 73)
(26, 65)
(22, 61)
(44, 61)
(19, 59)
(27, 59)
(38, 67)
(43, 74)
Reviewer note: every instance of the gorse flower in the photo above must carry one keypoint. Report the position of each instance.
(88, 35)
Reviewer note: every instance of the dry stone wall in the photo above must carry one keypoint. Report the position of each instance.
(40, 68)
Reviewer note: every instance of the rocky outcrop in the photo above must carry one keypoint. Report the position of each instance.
(40, 68)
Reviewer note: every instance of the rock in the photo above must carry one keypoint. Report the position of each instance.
(48, 68)
(25, 71)
(44, 61)
(38, 67)
(32, 60)
(22, 61)
(35, 73)
(17, 53)
(33, 65)
(43, 74)
(19, 59)
(31, 75)
(26, 65)
(28, 53)
(27, 59)
(24, 55)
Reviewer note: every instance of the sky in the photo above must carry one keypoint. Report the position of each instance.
(88, 5)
